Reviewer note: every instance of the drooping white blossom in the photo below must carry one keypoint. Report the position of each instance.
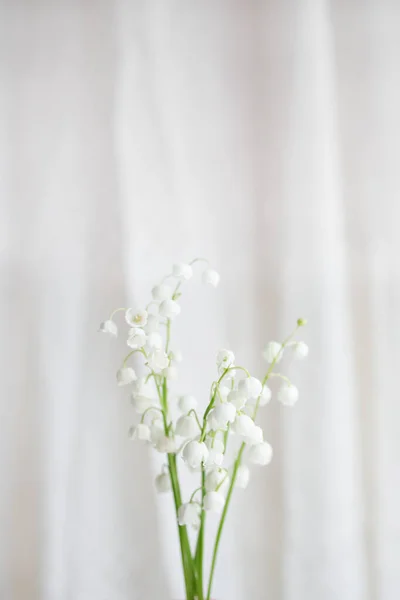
(221, 415)
(166, 444)
(214, 502)
(109, 327)
(215, 454)
(136, 318)
(125, 376)
(162, 292)
(288, 394)
(189, 514)
(260, 454)
(250, 387)
(186, 426)
(170, 373)
(236, 398)
(169, 309)
(263, 399)
(140, 432)
(225, 359)
(211, 277)
(256, 435)
(152, 324)
(154, 341)
(214, 478)
(195, 454)
(141, 403)
(156, 431)
(273, 352)
(137, 338)
(243, 426)
(182, 271)
(187, 403)
(242, 476)
(158, 360)
(163, 483)
(300, 350)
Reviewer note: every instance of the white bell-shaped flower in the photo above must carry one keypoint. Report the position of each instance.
(156, 431)
(242, 477)
(256, 435)
(189, 514)
(225, 359)
(109, 327)
(216, 450)
(166, 444)
(211, 277)
(141, 403)
(176, 356)
(260, 454)
(152, 324)
(182, 271)
(222, 394)
(214, 502)
(195, 454)
(288, 394)
(250, 387)
(169, 309)
(300, 350)
(214, 478)
(243, 426)
(170, 373)
(140, 432)
(236, 398)
(158, 360)
(137, 338)
(143, 387)
(214, 444)
(125, 376)
(154, 340)
(187, 403)
(162, 292)
(186, 426)
(163, 483)
(221, 415)
(265, 397)
(273, 352)
(136, 318)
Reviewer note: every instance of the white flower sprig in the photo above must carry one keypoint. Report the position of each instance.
(199, 442)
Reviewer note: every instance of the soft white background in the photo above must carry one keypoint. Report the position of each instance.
(265, 136)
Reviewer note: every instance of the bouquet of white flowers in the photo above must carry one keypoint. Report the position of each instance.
(200, 442)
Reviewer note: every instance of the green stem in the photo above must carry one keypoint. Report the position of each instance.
(222, 520)
(199, 558)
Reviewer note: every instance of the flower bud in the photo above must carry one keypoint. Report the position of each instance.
(186, 426)
(195, 454)
(187, 403)
(189, 514)
(214, 502)
(126, 375)
(301, 322)
(237, 399)
(141, 432)
(182, 271)
(260, 454)
(250, 387)
(288, 394)
(109, 327)
(242, 477)
(225, 359)
(162, 292)
(211, 277)
(273, 352)
(163, 483)
(169, 309)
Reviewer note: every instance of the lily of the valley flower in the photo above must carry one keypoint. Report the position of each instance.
(136, 318)
(170, 372)
(195, 454)
(125, 376)
(211, 277)
(187, 403)
(214, 502)
(273, 352)
(158, 360)
(221, 415)
(162, 292)
(140, 432)
(250, 387)
(141, 403)
(163, 483)
(216, 478)
(288, 394)
(300, 350)
(152, 324)
(182, 271)
(109, 327)
(225, 359)
(189, 514)
(154, 340)
(186, 426)
(242, 476)
(169, 309)
(237, 398)
(165, 444)
(261, 454)
(137, 338)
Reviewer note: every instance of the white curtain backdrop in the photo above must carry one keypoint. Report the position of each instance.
(265, 136)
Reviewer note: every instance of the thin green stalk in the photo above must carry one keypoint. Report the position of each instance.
(222, 520)
(199, 558)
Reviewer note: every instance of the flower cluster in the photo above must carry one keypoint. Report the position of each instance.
(200, 441)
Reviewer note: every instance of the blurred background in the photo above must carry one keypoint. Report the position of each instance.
(263, 135)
